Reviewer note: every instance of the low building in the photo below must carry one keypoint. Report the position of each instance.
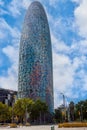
(8, 96)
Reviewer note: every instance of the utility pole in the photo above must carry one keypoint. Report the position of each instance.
(64, 107)
(81, 113)
(26, 114)
(40, 117)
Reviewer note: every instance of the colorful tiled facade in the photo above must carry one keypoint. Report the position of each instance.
(35, 77)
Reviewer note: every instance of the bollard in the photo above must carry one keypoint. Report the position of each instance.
(52, 127)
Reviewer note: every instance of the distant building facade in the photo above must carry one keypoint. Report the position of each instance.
(7, 96)
(35, 76)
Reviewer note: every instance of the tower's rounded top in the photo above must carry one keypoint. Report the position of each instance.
(36, 7)
(36, 3)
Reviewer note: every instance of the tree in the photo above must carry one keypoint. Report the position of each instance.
(38, 112)
(58, 115)
(35, 110)
(5, 114)
(71, 110)
(22, 107)
(81, 110)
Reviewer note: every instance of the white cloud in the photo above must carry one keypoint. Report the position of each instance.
(81, 18)
(11, 52)
(67, 70)
(63, 72)
(66, 76)
(53, 2)
(6, 30)
(77, 1)
(63, 69)
(83, 47)
(63, 76)
(85, 83)
(15, 7)
(1, 2)
(2, 12)
(80, 47)
(2, 35)
(58, 45)
(26, 3)
(10, 81)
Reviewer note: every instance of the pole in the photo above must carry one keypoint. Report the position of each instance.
(44, 118)
(81, 114)
(26, 115)
(40, 117)
(64, 107)
(12, 113)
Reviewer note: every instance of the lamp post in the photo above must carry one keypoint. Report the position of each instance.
(12, 113)
(64, 107)
(26, 114)
(81, 116)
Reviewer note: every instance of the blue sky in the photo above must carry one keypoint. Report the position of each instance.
(68, 28)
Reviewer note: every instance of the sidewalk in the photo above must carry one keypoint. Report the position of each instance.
(42, 127)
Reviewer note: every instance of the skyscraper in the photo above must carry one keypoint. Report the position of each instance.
(35, 77)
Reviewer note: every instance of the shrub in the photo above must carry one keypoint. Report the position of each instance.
(20, 124)
(74, 124)
(27, 124)
(13, 125)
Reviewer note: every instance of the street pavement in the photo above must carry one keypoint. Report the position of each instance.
(41, 127)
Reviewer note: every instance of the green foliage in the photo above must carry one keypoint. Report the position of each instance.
(71, 108)
(58, 115)
(21, 106)
(81, 110)
(38, 108)
(4, 112)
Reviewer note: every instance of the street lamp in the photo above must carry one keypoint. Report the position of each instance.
(63, 108)
(81, 116)
(26, 114)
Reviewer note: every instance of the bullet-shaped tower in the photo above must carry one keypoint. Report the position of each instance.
(35, 76)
